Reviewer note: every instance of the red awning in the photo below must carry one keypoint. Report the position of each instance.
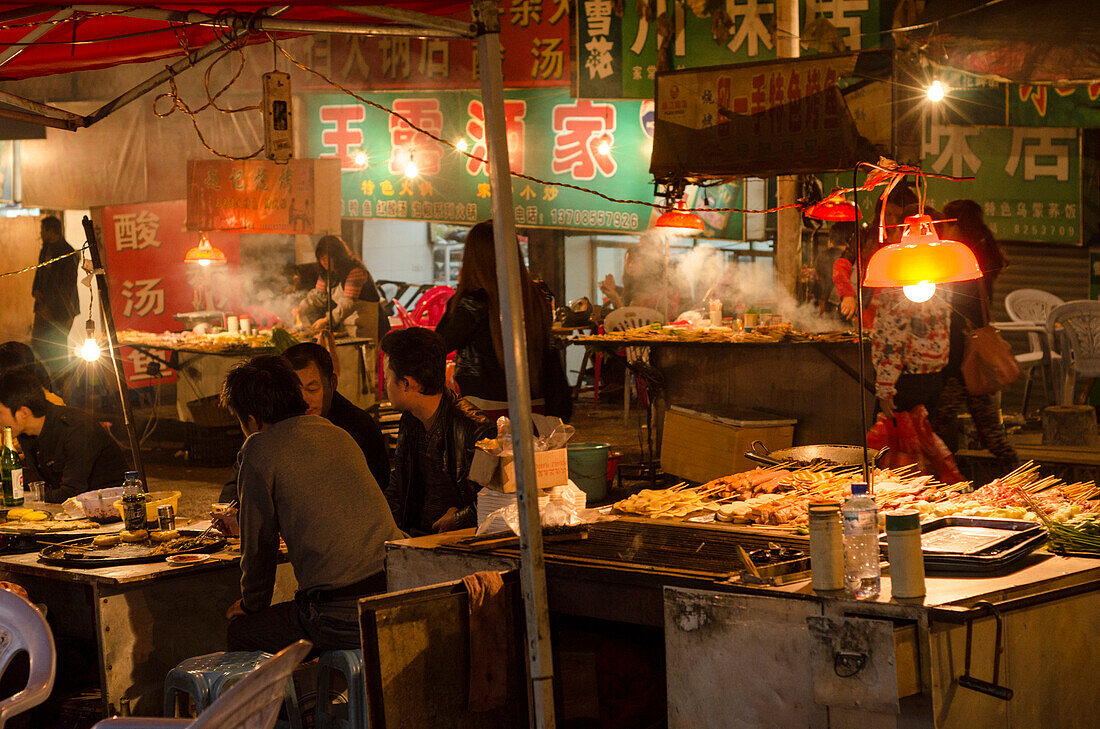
(43, 40)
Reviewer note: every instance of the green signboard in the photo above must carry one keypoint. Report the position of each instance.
(618, 56)
(603, 146)
(1028, 179)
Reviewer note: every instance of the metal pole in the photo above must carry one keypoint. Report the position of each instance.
(112, 347)
(788, 233)
(532, 564)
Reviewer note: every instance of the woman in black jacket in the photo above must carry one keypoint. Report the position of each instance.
(471, 327)
(970, 306)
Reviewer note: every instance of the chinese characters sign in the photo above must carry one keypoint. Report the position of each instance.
(551, 136)
(1027, 179)
(253, 195)
(534, 36)
(617, 54)
(145, 245)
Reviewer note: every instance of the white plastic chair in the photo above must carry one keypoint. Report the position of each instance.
(1033, 305)
(22, 628)
(252, 703)
(631, 317)
(1074, 328)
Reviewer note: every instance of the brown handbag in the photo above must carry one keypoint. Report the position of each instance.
(988, 364)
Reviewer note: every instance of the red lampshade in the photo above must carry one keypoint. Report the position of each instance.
(204, 253)
(835, 209)
(680, 220)
(921, 257)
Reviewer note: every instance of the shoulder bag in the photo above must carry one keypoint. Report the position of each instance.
(988, 364)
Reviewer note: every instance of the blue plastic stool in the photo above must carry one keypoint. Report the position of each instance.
(205, 678)
(350, 665)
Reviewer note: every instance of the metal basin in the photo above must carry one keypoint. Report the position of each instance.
(843, 455)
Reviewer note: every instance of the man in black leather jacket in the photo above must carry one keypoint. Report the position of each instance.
(429, 489)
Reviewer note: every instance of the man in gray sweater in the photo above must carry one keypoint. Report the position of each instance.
(305, 479)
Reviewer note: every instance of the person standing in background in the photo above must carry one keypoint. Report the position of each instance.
(971, 302)
(841, 234)
(55, 300)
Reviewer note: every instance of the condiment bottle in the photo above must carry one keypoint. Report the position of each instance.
(905, 555)
(826, 546)
(716, 312)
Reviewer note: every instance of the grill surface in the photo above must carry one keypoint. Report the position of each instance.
(677, 546)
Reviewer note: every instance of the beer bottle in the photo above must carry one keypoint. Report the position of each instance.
(11, 470)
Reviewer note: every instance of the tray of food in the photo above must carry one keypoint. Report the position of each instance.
(22, 520)
(124, 548)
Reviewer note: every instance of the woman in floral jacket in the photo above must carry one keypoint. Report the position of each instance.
(910, 343)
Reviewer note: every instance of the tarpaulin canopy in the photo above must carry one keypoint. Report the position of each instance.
(1023, 41)
(38, 40)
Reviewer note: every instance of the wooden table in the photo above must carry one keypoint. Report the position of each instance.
(144, 618)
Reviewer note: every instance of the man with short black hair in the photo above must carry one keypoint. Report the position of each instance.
(303, 478)
(55, 299)
(63, 446)
(429, 489)
(313, 365)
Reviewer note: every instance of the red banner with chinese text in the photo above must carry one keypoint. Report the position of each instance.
(145, 246)
(535, 42)
(257, 196)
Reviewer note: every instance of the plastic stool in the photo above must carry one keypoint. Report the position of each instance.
(205, 678)
(350, 665)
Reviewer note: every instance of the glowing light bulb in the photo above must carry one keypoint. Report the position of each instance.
(461, 145)
(89, 351)
(411, 169)
(919, 293)
(204, 262)
(936, 91)
(360, 159)
(604, 147)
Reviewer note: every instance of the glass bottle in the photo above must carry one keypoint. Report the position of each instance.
(11, 470)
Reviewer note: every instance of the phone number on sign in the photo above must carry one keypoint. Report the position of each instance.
(594, 218)
(1069, 231)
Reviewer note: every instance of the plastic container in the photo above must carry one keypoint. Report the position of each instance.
(99, 505)
(903, 540)
(153, 499)
(826, 546)
(588, 468)
(862, 572)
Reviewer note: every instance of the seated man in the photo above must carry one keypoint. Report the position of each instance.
(429, 489)
(313, 365)
(63, 446)
(303, 478)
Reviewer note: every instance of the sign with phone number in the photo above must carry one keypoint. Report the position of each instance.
(600, 145)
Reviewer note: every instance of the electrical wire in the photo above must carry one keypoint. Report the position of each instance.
(28, 269)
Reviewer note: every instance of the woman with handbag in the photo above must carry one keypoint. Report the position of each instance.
(970, 307)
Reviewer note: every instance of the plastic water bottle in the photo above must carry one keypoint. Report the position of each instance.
(861, 564)
(133, 502)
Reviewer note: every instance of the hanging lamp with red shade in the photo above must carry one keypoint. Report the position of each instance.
(920, 261)
(834, 208)
(679, 220)
(204, 253)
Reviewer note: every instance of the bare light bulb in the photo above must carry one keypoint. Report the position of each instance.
(461, 145)
(204, 262)
(89, 351)
(920, 292)
(936, 91)
(411, 170)
(360, 159)
(604, 147)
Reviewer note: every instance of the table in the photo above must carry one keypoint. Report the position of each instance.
(744, 656)
(144, 618)
(201, 374)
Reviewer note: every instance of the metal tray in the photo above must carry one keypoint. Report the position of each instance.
(997, 546)
(117, 556)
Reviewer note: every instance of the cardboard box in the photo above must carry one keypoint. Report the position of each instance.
(700, 446)
(499, 473)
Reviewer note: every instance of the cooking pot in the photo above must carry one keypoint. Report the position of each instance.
(843, 455)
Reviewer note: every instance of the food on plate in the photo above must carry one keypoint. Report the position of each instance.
(34, 515)
(17, 514)
(164, 536)
(138, 535)
(106, 540)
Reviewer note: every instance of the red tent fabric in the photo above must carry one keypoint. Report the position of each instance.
(100, 39)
